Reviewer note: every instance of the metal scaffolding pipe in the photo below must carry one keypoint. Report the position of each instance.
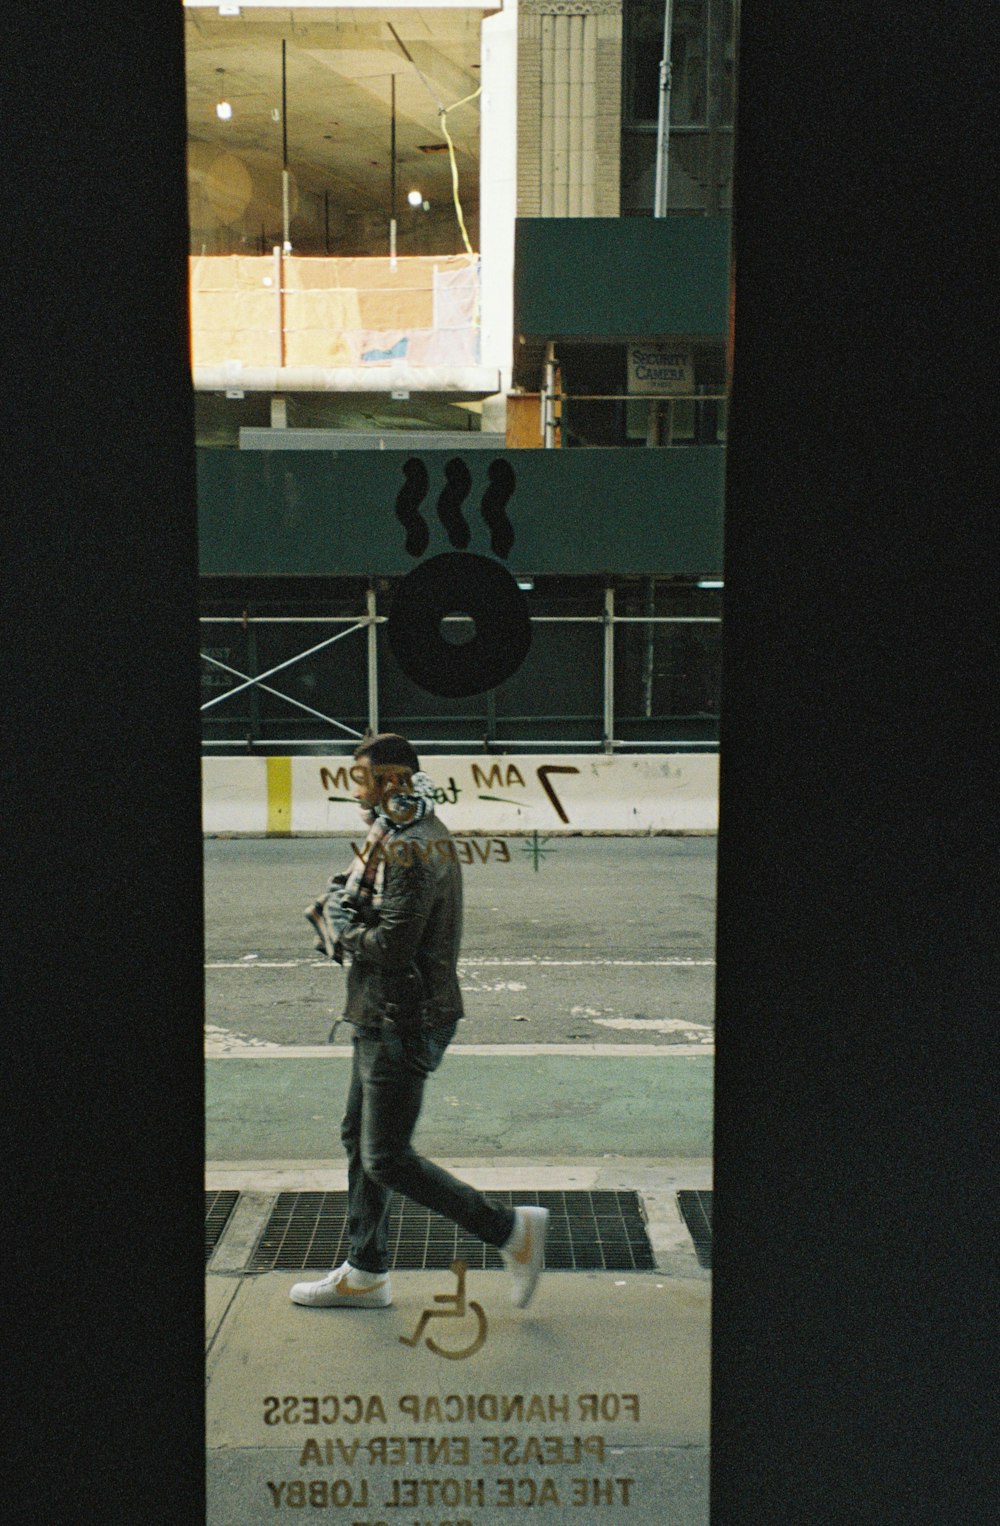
(299, 705)
(609, 669)
(373, 620)
(549, 398)
(291, 661)
(663, 118)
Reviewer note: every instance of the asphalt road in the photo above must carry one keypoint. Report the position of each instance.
(598, 940)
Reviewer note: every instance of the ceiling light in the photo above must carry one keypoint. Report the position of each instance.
(710, 583)
(415, 198)
(223, 110)
(527, 584)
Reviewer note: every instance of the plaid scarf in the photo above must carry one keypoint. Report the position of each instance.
(366, 876)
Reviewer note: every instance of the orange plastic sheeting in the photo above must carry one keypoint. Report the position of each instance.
(353, 309)
(250, 349)
(230, 272)
(322, 310)
(368, 273)
(237, 310)
(320, 347)
(335, 312)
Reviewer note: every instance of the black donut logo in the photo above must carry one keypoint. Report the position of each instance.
(458, 582)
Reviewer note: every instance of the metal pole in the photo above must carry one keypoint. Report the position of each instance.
(475, 745)
(663, 121)
(392, 179)
(549, 398)
(278, 278)
(647, 654)
(609, 670)
(253, 697)
(284, 151)
(653, 422)
(372, 664)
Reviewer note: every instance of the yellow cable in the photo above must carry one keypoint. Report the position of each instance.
(455, 104)
(443, 116)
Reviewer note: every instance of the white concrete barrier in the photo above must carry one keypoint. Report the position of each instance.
(555, 793)
(234, 795)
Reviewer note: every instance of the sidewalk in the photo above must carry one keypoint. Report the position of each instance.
(591, 1405)
(596, 1397)
(598, 1393)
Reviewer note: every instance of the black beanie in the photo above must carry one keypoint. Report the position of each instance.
(388, 749)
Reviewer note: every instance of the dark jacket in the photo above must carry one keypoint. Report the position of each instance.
(410, 955)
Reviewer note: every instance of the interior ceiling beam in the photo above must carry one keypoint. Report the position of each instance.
(286, 13)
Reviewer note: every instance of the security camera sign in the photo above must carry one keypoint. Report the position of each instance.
(656, 370)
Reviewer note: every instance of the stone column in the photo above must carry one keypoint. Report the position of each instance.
(569, 108)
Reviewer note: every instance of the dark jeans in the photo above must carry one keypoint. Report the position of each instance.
(383, 1105)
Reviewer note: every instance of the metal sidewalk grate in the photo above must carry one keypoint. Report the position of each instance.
(588, 1231)
(218, 1207)
(696, 1211)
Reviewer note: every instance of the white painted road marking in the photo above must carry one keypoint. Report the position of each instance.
(653, 1024)
(472, 963)
(218, 1038)
(235, 1050)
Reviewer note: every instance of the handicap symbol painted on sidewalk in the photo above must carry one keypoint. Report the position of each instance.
(458, 1312)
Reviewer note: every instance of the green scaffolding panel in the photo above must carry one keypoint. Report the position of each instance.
(621, 277)
(320, 513)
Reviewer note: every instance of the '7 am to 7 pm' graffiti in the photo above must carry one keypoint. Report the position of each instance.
(344, 775)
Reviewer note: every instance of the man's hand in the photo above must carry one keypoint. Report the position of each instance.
(339, 916)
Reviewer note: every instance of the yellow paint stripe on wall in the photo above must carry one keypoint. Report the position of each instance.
(279, 795)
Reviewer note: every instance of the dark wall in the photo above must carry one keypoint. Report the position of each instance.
(104, 995)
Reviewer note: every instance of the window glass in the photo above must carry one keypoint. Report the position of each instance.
(643, 51)
(727, 62)
(689, 64)
(688, 58)
(703, 59)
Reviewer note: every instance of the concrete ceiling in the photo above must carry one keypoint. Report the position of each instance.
(340, 65)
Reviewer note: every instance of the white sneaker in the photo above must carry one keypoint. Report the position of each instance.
(524, 1253)
(346, 1287)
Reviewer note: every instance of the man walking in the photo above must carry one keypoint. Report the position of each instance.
(397, 916)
